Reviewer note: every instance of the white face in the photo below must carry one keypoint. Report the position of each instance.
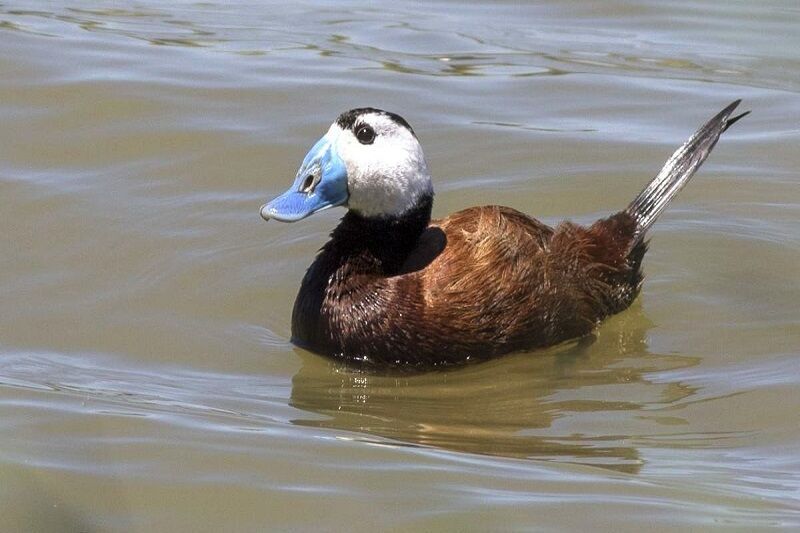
(386, 177)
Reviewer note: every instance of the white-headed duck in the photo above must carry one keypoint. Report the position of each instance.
(394, 289)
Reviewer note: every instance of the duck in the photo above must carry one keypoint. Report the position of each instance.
(394, 289)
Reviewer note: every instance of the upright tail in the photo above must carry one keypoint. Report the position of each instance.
(677, 171)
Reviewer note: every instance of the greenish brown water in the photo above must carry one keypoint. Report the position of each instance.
(146, 378)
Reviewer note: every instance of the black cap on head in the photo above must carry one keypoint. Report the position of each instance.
(348, 119)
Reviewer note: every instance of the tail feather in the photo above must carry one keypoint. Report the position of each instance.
(677, 171)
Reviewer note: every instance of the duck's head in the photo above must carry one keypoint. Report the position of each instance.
(369, 161)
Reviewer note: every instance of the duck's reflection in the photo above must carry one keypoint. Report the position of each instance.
(581, 403)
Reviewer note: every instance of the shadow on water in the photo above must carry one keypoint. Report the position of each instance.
(545, 406)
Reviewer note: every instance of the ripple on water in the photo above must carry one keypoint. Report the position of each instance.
(146, 375)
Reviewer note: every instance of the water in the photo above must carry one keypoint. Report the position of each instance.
(146, 379)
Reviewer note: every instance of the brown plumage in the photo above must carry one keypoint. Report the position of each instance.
(415, 294)
(482, 282)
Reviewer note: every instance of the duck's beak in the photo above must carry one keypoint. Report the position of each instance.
(321, 183)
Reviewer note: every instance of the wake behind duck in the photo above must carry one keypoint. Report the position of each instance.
(394, 289)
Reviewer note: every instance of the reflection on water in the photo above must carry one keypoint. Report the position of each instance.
(507, 407)
(350, 33)
(151, 25)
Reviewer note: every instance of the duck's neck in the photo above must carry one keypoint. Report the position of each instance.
(334, 288)
(380, 245)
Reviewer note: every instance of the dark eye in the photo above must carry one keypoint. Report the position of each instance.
(308, 183)
(365, 134)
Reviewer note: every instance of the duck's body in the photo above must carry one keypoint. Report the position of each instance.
(400, 290)
(479, 283)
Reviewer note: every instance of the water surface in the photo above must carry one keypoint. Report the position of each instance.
(146, 378)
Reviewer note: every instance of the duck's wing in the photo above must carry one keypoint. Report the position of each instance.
(485, 236)
(496, 240)
(482, 288)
